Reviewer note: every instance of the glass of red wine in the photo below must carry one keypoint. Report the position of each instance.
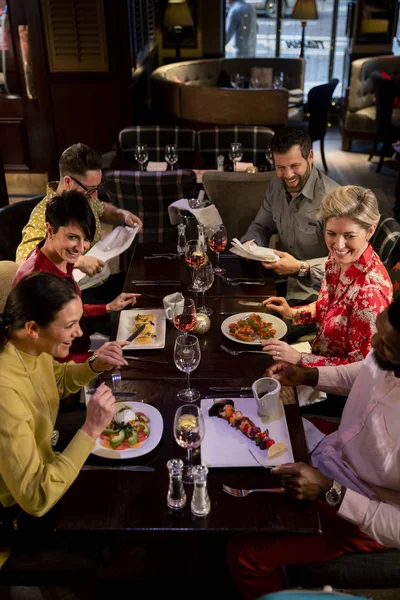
(185, 315)
(217, 242)
(195, 257)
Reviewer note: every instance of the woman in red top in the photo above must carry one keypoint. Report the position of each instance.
(356, 287)
(70, 225)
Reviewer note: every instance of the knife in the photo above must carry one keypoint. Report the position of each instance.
(169, 255)
(136, 333)
(230, 389)
(127, 468)
(147, 282)
(144, 359)
(250, 303)
(115, 394)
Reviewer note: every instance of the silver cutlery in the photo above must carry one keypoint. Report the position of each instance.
(127, 468)
(222, 398)
(147, 282)
(116, 394)
(269, 467)
(168, 255)
(250, 303)
(231, 388)
(136, 333)
(115, 379)
(239, 493)
(236, 283)
(144, 359)
(227, 314)
(237, 352)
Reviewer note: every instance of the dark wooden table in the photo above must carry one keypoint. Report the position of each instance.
(122, 502)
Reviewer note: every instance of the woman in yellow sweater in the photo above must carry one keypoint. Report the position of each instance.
(39, 323)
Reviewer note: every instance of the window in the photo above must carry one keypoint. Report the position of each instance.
(143, 29)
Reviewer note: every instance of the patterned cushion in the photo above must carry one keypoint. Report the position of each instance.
(395, 277)
(255, 142)
(148, 195)
(156, 139)
(385, 238)
(13, 219)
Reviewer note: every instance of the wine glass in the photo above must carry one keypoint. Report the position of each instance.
(254, 82)
(237, 81)
(141, 155)
(217, 242)
(184, 317)
(278, 81)
(236, 153)
(203, 280)
(189, 433)
(171, 154)
(187, 357)
(195, 257)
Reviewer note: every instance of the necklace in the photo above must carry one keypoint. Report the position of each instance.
(56, 434)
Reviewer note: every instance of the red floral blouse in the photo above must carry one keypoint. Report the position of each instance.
(346, 311)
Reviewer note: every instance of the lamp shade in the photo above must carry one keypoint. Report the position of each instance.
(305, 10)
(178, 13)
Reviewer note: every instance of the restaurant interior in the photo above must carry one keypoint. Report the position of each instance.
(186, 105)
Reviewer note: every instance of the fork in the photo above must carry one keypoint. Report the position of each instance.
(238, 493)
(116, 379)
(235, 283)
(236, 352)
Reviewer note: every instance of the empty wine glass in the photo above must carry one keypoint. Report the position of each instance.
(184, 316)
(254, 82)
(171, 155)
(217, 242)
(270, 159)
(141, 155)
(189, 433)
(236, 153)
(187, 357)
(194, 257)
(237, 81)
(278, 81)
(203, 280)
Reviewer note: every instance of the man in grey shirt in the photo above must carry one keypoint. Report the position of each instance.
(289, 209)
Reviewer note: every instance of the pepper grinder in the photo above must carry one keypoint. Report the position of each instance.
(200, 504)
(181, 246)
(176, 497)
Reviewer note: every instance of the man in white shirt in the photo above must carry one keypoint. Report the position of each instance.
(355, 472)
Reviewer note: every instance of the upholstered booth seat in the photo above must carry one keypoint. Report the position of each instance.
(199, 91)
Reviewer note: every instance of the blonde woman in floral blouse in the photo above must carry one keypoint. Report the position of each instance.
(356, 287)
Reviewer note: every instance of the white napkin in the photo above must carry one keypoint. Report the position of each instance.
(306, 394)
(242, 166)
(156, 166)
(253, 252)
(116, 242)
(208, 215)
(313, 435)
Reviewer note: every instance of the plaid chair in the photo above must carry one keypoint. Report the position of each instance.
(385, 240)
(148, 196)
(13, 219)
(255, 142)
(157, 138)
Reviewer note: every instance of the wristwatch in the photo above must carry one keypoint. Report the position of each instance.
(334, 495)
(304, 268)
(91, 361)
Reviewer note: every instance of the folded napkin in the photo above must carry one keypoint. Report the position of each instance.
(156, 166)
(253, 252)
(208, 215)
(296, 92)
(306, 394)
(242, 166)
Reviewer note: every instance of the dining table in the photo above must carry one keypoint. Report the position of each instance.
(117, 501)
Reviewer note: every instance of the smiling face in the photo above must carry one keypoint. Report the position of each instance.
(292, 169)
(346, 240)
(386, 344)
(68, 242)
(56, 338)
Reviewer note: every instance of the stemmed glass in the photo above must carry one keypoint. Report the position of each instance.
(236, 153)
(171, 155)
(141, 155)
(217, 242)
(278, 81)
(237, 81)
(194, 257)
(254, 82)
(203, 280)
(185, 316)
(189, 433)
(187, 357)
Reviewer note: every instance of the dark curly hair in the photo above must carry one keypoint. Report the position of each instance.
(283, 140)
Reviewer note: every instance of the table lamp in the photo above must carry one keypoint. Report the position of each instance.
(178, 16)
(305, 10)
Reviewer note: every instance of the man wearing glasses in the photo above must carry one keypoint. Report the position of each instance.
(80, 169)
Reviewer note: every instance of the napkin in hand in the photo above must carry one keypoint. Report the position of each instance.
(306, 394)
(253, 252)
(241, 167)
(208, 215)
(156, 166)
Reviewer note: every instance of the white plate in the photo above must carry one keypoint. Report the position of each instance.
(127, 324)
(156, 428)
(226, 446)
(277, 324)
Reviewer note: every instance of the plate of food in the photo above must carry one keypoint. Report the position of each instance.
(253, 328)
(153, 334)
(136, 429)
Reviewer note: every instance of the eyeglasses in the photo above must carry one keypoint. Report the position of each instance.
(88, 190)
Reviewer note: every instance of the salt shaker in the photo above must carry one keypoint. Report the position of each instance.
(176, 497)
(181, 246)
(200, 504)
(201, 237)
(220, 162)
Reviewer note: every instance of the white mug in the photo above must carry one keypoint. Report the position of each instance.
(169, 304)
(266, 392)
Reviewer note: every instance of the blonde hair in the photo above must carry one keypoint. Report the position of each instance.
(351, 202)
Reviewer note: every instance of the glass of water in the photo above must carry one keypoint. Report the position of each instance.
(187, 355)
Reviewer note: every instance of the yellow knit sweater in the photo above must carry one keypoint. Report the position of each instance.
(31, 473)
